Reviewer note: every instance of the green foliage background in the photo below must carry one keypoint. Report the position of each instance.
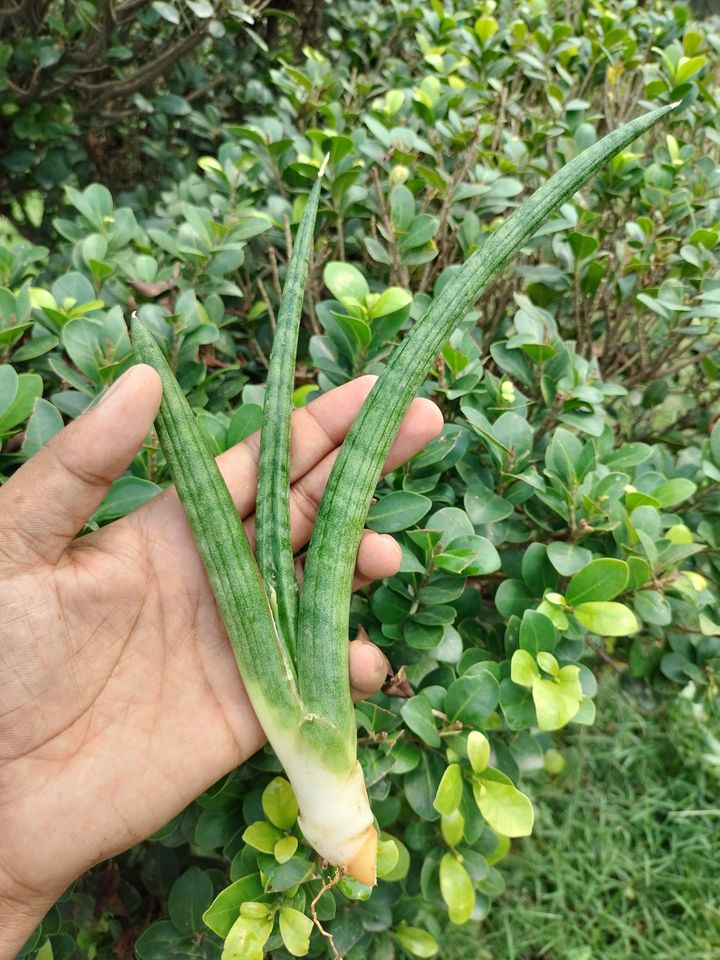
(566, 524)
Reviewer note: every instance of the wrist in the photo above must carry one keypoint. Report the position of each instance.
(21, 910)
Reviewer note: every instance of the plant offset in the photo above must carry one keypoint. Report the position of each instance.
(293, 657)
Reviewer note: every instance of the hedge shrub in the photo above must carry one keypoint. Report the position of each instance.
(567, 520)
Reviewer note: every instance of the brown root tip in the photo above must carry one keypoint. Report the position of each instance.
(363, 866)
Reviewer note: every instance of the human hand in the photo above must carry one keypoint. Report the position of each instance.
(120, 701)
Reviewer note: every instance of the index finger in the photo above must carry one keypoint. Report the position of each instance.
(316, 431)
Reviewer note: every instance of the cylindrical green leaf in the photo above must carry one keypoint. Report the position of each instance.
(262, 659)
(325, 599)
(273, 545)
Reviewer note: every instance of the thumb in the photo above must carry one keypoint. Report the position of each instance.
(49, 499)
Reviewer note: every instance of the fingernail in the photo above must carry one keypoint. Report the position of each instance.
(383, 664)
(110, 390)
(390, 539)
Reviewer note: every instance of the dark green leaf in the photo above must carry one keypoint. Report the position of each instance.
(417, 714)
(421, 785)
(189, 898)
(567, 558)
(472, 699)
(397, 511)
(161, 941)
(225, 908)
(601, 579)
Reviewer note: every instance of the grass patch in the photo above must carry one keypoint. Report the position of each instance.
(625, 859)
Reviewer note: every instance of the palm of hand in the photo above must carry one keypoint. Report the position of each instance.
(131, 706)
(119, 697)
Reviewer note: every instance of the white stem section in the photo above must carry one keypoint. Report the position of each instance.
(335, 815)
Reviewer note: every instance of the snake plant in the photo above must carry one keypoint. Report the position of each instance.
(291, 647)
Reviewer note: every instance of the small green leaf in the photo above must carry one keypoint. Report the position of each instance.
(639, 573)
(223, 911)
(284, 876)
(456, 888)
(470, 555)
(254, 910)
(190, 897)
(295, 930)
(513, 597)
(688, 67)
(486, 27)
(471, 699)
(607, 619)
(452, 827)
(548, 663)
(537, 571)
(388, 857)
(506, 809)
(246, 939)
(161, 940)
(553, 761)
(344, 281)
(478, 750)
(125, 495)
(417, 714)
(600, 580)
(563, 455)
(628, 455)
(555, 612)
(390, 301)
(674, 492)
(44, 423)
(583, 245)
(397, 511)
(715, 443)
(652, 607)
(421, 784)
(246, 420)
(29, 390)
(556, 703)
(402, 866)
(389, 606)
(284, 849)
(484, 506)
(9, 381)
(523, 669)
(449, 793)
(416, 941)
(167, 11)
(402, 207)
(679, 533)
(279, 803)
(537, 632)
(568, 558)
(262, 836)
